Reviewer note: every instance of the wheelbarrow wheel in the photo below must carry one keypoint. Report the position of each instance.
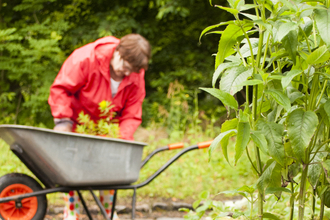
(32, 208)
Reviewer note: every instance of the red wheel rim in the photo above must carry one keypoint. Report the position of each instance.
(25, 210)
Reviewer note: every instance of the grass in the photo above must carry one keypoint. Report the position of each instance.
(185, 179)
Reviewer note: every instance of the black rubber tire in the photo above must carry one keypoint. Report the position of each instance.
(14, 178)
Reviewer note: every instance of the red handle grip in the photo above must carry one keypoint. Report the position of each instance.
(205, 144)
(175, 146)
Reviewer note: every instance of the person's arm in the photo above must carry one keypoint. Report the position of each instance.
(131, 116)
(68, 81)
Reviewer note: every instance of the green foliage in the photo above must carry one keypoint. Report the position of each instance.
(106, 126)
(29, 58)
(278, 54)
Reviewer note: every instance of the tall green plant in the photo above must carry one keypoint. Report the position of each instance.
(278, 51)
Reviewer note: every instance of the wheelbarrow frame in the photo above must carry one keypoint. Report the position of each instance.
(50, 188)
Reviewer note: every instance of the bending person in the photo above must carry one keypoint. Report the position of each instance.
(108, 69)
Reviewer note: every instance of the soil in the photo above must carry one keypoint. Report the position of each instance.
(139, 215)
(146, 209)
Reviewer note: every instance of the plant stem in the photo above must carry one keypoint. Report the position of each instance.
(256, 68)
(292, 201)
(313, 204)
(251, 211)
(265, 53)
(247, 152)
(247, 97)
(257, 152)
(314, 92)
(322, 207)
(323, 89)
(322, 198)
(306, 38)
(302, 192)
(314, 33)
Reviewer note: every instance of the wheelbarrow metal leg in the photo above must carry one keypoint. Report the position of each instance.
(84, 205)
(113, 204)
(133, 204)
(98, 202)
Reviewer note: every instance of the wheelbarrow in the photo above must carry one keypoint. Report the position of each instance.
(65, 161)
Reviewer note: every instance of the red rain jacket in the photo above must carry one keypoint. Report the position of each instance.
(84, 81)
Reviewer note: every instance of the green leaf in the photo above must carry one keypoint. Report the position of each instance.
(307, 28)
(226, 126)
(251, 82)
(272, 190)
(320, 55)
(204, 195)
(294, 169)
(214, 26)
(243, 137)
(261, 23)
(241, 78)
(276, 56)
(280, 98)
(314, 173)
(230, 10)
(326, 167)
(271, 174)
(6, 32)
(259, 139)
(273, 133)
(284, 30)
(327, 108)
(247, 7)
(222, 67)
(233, 77)
(215, 143)
(252, 17)
(290, 43)
(196, 204)
(245, 50)
(224, 97)
(228, 40)
(289, 5)
(247, 189)
(301, 126)
(271, 216)
(293, 93)
(322, 17)
(286, 80)
(205, 206)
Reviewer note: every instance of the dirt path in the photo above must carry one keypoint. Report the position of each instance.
(138, 215)
(147, 209)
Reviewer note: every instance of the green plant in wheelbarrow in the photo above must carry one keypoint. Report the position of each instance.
(278, 53)
(106, 126)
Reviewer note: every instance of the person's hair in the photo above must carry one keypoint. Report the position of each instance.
(136, 50)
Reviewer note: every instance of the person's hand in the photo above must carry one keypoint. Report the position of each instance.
(64, 124)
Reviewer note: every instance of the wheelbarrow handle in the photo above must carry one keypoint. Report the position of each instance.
(168, 163)
(168, 147)
(205, 144)
(175, 146)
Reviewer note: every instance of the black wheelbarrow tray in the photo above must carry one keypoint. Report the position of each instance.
(65, 161)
